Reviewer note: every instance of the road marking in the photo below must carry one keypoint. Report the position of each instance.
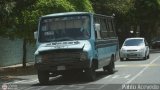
(25, 81)
(30, 81)
(36, 88)
(59, 87)
(127, 76)
(121, 76)
(30, 88)
(116, 76)
(97, 88)
(36, 80)
(140, 65)
(107, 77)
(42, 88)
(146, 67)
(19, 81)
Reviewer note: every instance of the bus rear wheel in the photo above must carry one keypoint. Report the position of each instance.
(110, 68)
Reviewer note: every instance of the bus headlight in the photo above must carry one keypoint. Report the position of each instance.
(38, 58)
(83, 56)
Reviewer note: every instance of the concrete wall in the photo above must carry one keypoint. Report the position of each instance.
(11, 52)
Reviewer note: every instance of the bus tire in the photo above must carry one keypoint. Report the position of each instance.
(110, 68)
(90, 73)
(43, 77)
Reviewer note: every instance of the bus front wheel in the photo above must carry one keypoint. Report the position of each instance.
(90, 73)
(43, 77)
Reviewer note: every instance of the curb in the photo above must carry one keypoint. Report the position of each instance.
(16, 68)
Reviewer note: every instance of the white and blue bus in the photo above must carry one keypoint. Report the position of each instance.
(75, 42)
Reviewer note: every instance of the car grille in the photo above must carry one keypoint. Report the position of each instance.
(131, 50)
(132, 55)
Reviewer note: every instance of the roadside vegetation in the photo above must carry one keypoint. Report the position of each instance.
(19, 18)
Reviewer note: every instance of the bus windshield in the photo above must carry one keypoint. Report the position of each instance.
(64, 28)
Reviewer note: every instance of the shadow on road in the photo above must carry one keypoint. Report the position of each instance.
(74, 79)
(134, 60)
(10, 74)
(18, 71)
(155, 51)
(5, 79)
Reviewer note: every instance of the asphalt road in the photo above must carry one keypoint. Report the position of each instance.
(129, 75)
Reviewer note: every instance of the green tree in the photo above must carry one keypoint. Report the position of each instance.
(82, 5)
(22, 27)
(21, 16)
(6, 7)
(148, 15)
(29, 17)
(142, 15)
(124, 14)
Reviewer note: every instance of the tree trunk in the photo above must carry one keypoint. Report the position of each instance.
(24, 53)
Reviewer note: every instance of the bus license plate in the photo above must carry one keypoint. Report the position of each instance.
(61, 67)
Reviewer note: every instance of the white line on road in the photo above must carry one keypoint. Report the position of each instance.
(42, 88)
(28, 82)
(107, 76)
(15, 82)
(115, 76)
(25, 81)
(59, 87)
(36, 88)
(127, 76)
(128, 82)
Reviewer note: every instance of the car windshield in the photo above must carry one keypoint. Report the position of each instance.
(133, 42)
(64, 28)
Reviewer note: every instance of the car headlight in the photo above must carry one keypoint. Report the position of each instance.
(83, 56)
(38, 58)
(141, 50)
(123, 50)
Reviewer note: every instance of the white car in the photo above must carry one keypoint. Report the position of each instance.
(134, 48)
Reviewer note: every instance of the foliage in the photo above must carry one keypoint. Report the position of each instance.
(148, 15)
(6, 7)
(124, 14)
(82, 5)
(131, 14)
(53, 6)
(19, 18)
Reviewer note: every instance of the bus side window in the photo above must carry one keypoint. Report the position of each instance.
(104, 29)
(97, 33)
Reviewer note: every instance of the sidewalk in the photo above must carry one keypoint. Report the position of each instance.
(17, 69)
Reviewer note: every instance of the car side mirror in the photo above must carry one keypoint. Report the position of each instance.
(97, 27)
(35, 35)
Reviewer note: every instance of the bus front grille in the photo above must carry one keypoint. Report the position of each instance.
(61, 56)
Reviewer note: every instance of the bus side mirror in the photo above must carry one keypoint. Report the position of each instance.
(97, 27)
(35, 35)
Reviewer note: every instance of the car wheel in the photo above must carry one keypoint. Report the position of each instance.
(127, 59)
(43, 77)
(121, 59)
(148, 56)
(145, 58)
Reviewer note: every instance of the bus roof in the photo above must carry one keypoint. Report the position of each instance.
(73, 13)
(66, 13)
